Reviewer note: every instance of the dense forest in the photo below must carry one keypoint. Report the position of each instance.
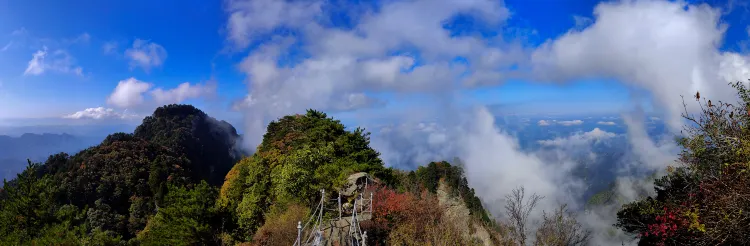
(179, 179)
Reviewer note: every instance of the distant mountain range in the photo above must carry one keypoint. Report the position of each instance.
(14, 151)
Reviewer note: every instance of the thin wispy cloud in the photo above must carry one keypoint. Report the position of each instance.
(110, 47)
(58, 61)
(6, 47)
(146, 55)
(19, 32)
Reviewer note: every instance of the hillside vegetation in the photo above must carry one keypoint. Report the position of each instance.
(705, 200)
(180, 180)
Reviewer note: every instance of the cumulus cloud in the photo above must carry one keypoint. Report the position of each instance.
(59, 61)
(352, 62)
(249, 18)
(146, 55)
(131, 93)
(570, 122)
(543, 123)
(654, 154)
(128, 93)
(99, 113)
(581, 138)
(495, 164)
(182, 92)
(672, 49)
(606, 123)
(412, 144)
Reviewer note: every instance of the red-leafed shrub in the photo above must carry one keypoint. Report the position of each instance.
(413, 217)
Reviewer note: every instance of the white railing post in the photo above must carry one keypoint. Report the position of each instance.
(339, 205)
(299, 233)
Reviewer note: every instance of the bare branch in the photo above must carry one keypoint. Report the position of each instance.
(518, 212)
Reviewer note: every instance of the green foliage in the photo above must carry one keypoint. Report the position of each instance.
(158, 186)
(28, 206)
(185, 218)
(209, 144)
(255, 198)
(701, 202)
(122, 182)
(110, 192)
(299, 155)
(431, 175)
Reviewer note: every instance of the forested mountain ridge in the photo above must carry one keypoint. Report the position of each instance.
(111, 190)
(159, 186)
(209, 144)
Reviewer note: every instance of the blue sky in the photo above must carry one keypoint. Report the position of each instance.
(91, 46)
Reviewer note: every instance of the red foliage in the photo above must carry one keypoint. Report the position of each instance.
(667, 224)
(391, 209)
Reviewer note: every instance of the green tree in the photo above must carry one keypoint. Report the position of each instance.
(702, 202)
(185, 219)
(208, 143)
(28, 205)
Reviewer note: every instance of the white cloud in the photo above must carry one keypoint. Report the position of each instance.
(59, 61)
(354, 62)
(249, 18)
(36, 65)
(570, 122)
(6, 47)
(543, 123)
(182, 92)
(671, 49)
(652, 155)
(579, 139)
(606, 123)
(146, 54)
(128, 93)
(99, 113)
(495, 165)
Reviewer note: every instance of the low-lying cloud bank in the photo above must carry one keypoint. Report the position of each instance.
(672, 49)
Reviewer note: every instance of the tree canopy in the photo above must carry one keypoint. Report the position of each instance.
(705, 200)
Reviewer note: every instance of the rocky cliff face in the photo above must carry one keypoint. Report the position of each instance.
(456, 211)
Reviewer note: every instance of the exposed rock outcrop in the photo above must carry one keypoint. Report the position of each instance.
(456, 211)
